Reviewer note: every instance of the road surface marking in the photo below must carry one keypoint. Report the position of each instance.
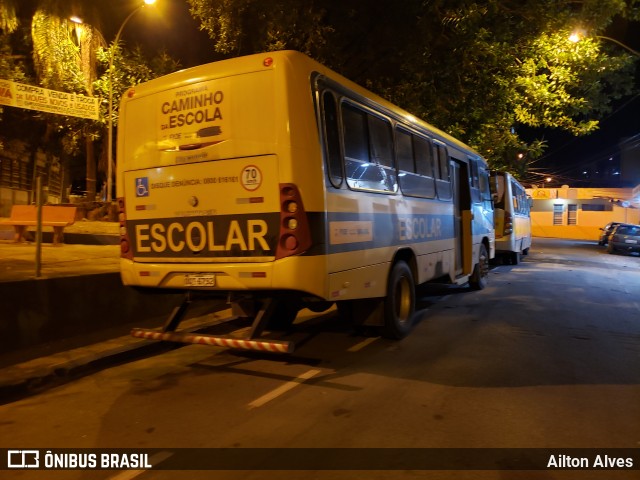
(299, 380)
(153, 460)
(359, 346)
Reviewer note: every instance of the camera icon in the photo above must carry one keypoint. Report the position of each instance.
(23, 459)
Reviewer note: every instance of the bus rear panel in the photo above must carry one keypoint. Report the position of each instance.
(205, 183)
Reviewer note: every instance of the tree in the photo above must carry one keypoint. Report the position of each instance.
(130, 68)
(479, 70)
(64, 60)
(59, 54)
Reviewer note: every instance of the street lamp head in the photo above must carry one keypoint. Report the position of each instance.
(149, 2)
(574, 37)
(75, 19)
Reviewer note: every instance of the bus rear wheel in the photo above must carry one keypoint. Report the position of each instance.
(400, 302)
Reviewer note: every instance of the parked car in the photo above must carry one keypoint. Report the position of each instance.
(606, 232)
(624, 238)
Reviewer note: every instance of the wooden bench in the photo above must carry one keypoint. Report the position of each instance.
(24, 216)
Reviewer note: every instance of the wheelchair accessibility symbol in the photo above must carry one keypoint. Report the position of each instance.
(142, 187)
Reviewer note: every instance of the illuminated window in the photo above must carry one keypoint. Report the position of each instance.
(572, 214)
(558, 210)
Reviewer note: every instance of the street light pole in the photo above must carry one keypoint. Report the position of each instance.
(110, 117)
(575, 37)
(617, 42)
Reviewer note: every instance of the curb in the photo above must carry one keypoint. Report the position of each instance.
(40, 374)
(72, 238)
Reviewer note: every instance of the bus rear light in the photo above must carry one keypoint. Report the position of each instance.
(295, 234)
(125, 244)
(291, 223)
(289, 242)
(267, 62)
(291, 207)
(508, 224)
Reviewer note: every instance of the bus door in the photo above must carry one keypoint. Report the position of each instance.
(462, 217)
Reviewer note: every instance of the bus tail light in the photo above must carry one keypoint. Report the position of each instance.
(125, 244)
(295, 235)
(508, 223)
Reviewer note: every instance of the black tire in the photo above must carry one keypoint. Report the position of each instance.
(480, 276)
(400, 302)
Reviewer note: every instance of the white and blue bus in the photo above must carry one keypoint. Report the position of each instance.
(275, 182)
(512, 213)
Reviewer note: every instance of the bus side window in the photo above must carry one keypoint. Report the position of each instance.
(443, 183)
(485, 185)
(332, 138)
(516, 206)
(474, 180)
(356, 143)
(412, 159)
(424, 156)
(404, 151)
(368, 151)
(381, 139)
(356, 139)
(443, 160)
(423, 151)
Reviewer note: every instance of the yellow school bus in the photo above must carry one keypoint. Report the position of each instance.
(279, 184)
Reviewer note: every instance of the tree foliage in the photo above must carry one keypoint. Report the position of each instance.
(41, 46)
(481, 70)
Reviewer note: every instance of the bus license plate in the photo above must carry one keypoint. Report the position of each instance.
(200, 280)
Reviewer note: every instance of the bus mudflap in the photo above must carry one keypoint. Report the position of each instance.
(253, 341)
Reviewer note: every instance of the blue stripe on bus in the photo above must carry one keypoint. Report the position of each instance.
(257, 234)
(386, 230)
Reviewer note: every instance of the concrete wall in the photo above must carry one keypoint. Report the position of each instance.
(588, 223)
(37, 312)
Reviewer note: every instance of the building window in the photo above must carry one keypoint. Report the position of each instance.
(572, 214)
(558, 210)
(592, 207)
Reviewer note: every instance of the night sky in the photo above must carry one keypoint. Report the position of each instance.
(167, 25)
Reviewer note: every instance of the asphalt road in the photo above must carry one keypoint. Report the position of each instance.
(547, 356)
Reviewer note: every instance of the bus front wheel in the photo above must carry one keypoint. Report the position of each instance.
(399, 304)
(480, 276)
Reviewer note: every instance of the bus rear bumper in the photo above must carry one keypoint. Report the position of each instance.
(251, 276)
(302, 274)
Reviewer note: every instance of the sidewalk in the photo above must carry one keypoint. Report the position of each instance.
(73, 318)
